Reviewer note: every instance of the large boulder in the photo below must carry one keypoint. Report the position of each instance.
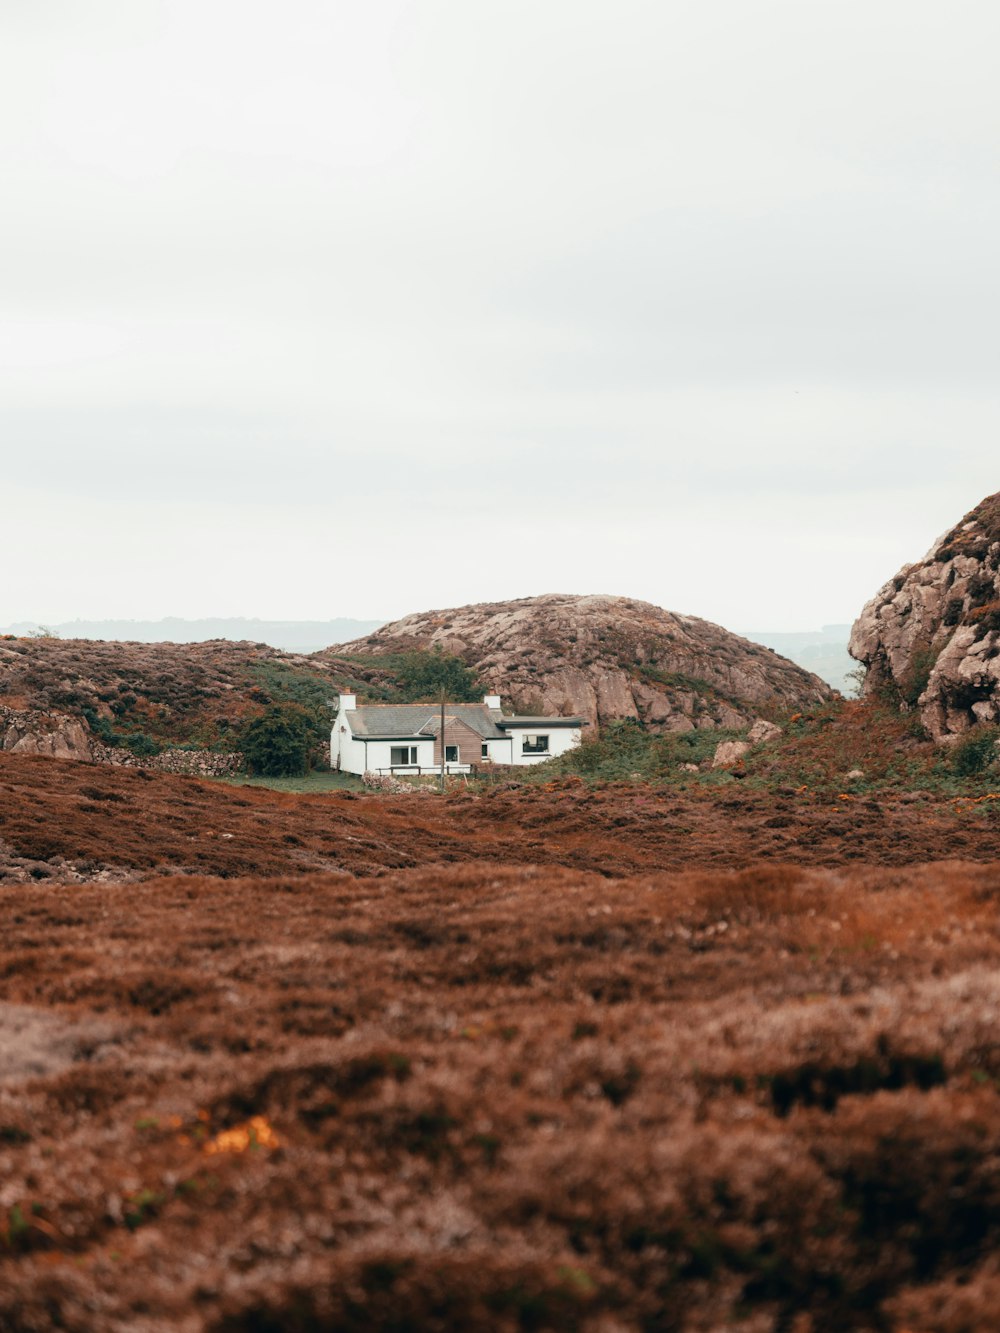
(606, 659)
(930, 638)
(729, 753)
(36, 731)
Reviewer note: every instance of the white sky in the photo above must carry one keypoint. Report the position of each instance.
(322, 308)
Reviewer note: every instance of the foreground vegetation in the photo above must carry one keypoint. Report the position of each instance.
(498, 1099)
(561, 1054)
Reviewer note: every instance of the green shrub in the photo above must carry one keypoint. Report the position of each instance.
(101, 727)
(626, 750)
(914, 680)
(278, 683)
(857, 677)
(142, 745)
(976, 751)
(278, 742)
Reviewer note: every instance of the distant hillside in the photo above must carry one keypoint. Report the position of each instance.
(146, 696)
(294, 636)
(822, 651)
(74, 698)
(605, 658)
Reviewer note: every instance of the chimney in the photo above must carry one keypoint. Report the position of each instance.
(348, 702)
(492, 701)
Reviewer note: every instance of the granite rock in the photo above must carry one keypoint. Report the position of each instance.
(930, 637)
(607, 659)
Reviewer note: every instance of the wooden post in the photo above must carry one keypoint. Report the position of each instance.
(442, 743)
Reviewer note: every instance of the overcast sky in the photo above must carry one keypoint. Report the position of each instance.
(322, 308)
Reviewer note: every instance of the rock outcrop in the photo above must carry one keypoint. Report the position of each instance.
(606, 658)
(930, 638)
(762, 732)
(730, 753)
(39, 731)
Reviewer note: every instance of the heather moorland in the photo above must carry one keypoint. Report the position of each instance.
(566, 1054)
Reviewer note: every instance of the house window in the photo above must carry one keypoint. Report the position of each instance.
(486, 751)
(451, 754)
(535, 745)
(400, 755)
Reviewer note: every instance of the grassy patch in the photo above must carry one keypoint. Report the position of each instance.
(626, 751)
(319, 780)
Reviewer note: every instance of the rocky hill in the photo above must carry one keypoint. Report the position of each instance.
(78, 698)
(605, 658)
(930, 638)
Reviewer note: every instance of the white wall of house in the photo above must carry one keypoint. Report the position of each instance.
(346, 753)
(376, 756)
(560, 739)
(344, 749)
(499, 751)
(380, 758)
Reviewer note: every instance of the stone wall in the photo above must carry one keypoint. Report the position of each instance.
(38, 731)
(198, 763)
(385, 782)
(193, 763)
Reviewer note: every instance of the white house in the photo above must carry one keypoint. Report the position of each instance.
(406, 738)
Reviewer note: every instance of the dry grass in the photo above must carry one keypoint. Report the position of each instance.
(70, 820)
(477, 1097)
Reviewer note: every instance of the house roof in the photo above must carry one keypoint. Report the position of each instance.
(432, 726)
(418, 721)
(507, 722)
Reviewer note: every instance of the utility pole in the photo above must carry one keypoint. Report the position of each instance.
(442, 742)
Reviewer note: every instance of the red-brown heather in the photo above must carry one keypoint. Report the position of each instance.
(552, 1057)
